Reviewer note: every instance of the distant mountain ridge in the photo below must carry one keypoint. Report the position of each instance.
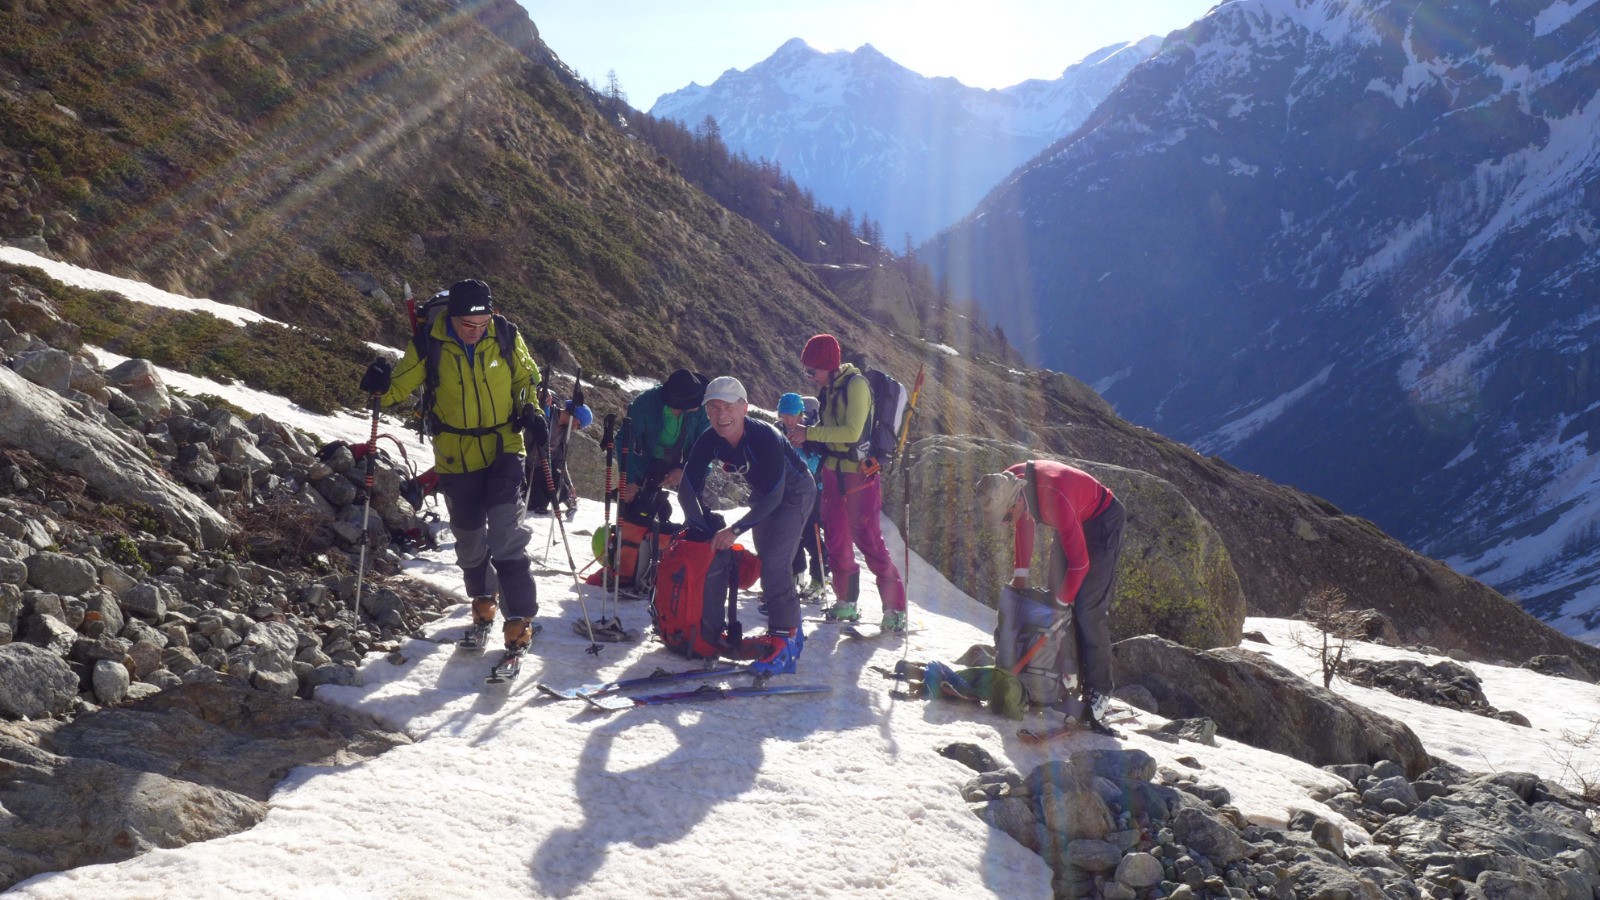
(1350, 246)
(865, 133)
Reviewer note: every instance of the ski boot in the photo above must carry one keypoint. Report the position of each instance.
(483, 610)
(519, 634)
(775, 653)
(894, 621)
(847, 589)
(1096, 707)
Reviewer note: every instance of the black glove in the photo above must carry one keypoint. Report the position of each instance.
(577, 396)
(535, 430)
(376, 380)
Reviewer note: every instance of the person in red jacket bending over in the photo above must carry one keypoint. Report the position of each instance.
(1087, 520)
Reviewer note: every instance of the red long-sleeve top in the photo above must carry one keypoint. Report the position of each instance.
(1068, 497)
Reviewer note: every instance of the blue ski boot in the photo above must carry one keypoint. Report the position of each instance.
(776, 652)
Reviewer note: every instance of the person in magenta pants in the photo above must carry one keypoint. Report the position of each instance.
(852, 497)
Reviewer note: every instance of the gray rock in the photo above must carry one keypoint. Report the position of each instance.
(179, 659)
(1200, 730)
(139, 380)
(107, 609)
(1328, 836)
(196, 465)
(90, 650)
(1316, 880)
(66, 812)
(340, 676)
(1016, 816)
(34, 682)
(44, 425)
(1139, 871)
(145, 600)
(13, 571)
(1201, 832)
(111, 680)
(336, 490)
(146, 658)
(281, 683)
(47, 368)
(61, 574)
(1257, 702)
(1396, 788)
(51, 634)
(1096, 856)
(1559, 665)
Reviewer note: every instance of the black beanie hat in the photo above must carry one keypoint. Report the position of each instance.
(684, 389)
(470, 298)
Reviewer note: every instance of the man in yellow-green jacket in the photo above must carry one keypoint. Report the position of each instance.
(478, 380)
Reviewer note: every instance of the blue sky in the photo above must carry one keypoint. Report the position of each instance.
(657, 46)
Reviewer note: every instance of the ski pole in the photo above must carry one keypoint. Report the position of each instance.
(566, 442)
(550, 482)
(366, 509)
(607, 443)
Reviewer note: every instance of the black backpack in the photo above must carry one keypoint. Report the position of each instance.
(428, 350)
(881, 436)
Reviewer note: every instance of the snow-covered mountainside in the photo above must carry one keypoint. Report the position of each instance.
(866, 134)
(1351, 246)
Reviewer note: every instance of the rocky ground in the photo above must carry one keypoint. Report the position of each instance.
(1112, 825)
(176, 579)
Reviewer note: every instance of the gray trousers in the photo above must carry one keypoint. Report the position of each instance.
(486, 517)
(1102, 535)
(777, 538)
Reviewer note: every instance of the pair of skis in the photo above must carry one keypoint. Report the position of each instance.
(863, 631)
(609, 696)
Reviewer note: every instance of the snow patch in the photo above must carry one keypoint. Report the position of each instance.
(1235, 432)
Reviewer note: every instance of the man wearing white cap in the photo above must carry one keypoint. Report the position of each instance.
(1087, 520)
(781, 495)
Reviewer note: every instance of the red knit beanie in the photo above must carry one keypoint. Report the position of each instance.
(822, 352)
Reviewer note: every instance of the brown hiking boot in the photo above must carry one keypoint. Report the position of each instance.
(519, 634)
(483, 610)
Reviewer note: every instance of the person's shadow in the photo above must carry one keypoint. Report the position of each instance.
(657, 803)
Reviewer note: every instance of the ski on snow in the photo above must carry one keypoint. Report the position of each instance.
(659, 676)
(1073, 726)
(510, 662)
(705, 692)
(873, 632)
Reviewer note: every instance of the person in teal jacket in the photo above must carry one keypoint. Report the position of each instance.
(666, 421)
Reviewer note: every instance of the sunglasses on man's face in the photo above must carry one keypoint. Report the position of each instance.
(464, 325)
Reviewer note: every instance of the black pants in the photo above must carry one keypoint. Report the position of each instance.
(1102, 535)
(811, 545)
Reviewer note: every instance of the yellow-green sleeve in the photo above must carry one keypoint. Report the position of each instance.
(407, 376)
(857, 406)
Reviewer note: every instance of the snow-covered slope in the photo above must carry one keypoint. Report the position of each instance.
(505, 794)
(867, 134)
(1350, 245)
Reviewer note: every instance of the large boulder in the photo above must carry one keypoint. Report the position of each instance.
(34, 682)
(63, 812)
(1258, 702)
(224, 735)
(58, 434)
(1175, 577)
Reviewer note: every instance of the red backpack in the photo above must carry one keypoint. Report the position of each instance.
(695, 607)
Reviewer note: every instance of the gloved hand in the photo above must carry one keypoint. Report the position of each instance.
(535, 430)
(376, 379)
(577, 395)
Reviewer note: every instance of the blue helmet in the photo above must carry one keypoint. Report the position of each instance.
(790, 405)
(583, 414)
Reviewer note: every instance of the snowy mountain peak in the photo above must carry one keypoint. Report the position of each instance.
(865, 133)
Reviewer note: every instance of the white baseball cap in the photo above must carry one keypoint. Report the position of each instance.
(725, 388)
